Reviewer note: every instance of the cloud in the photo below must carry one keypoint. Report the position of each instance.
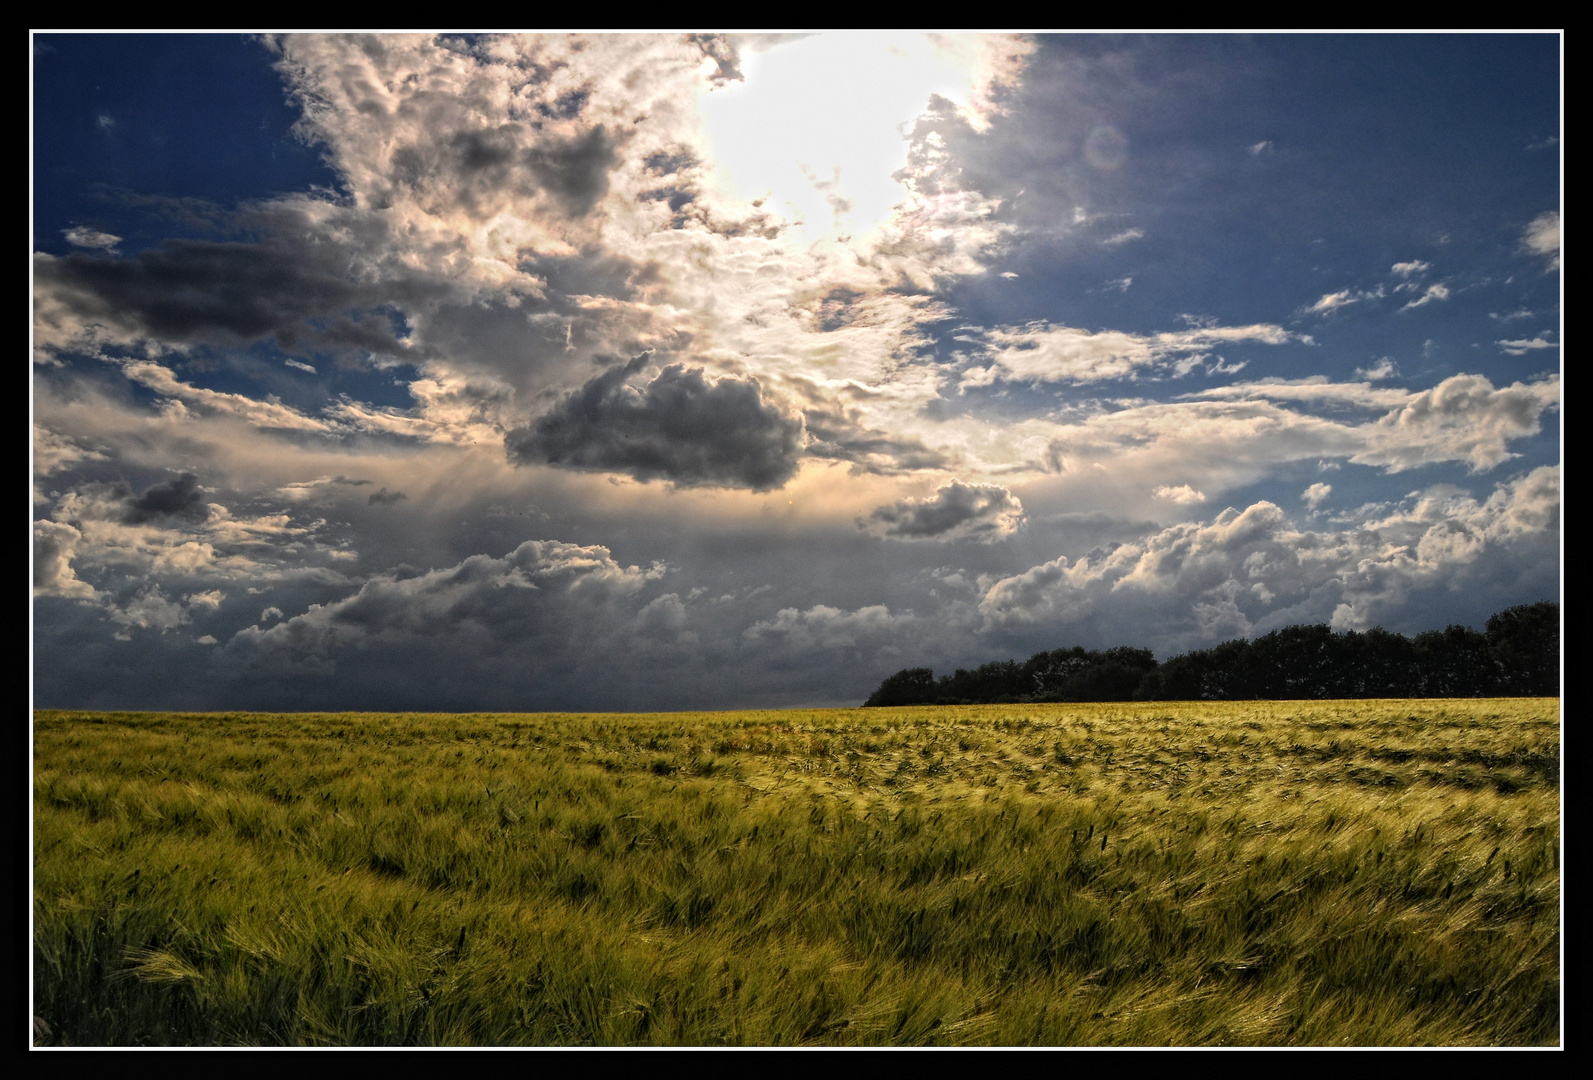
(1343, 298)
(1521, 347)
(170, 533)
(1245, 571)
(148, 610)
(84, 237)
(1124, 237)
(1385, 368)
(1542, 237)
(1463, 418)
(664, 616)
(1314, 494)
(1415, 266)
(957, 511)
(303, 490)
(825, 627)
(179, 497)
(1257, 149)
(1434, 292)
(54, 545)
(384, 497)
(482, 599)
(1183, 494)
(266, 414)
(292, 289)
(300, 365)
(683, 426)
(838, 431)
(54, 452)
(1045, 352)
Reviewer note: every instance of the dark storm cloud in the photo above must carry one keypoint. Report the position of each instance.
(479, 167)
(574, 171)
(985, 512)
(683, 427)
(193, 291)
(386, 498)
(179, 497)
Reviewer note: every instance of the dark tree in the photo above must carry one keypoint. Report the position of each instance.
(1518, 655)
(1456, 662)
(1525, 642)
(910, 686)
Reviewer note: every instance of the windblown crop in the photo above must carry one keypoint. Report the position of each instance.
(1366, 872)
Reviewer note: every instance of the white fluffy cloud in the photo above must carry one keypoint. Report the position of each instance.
(1183, 494)
(54, 544)
(1248, 569)
(1542, 237)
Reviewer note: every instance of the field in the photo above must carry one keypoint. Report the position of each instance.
(1257, 873)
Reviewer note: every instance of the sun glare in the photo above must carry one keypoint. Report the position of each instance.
(819, 124)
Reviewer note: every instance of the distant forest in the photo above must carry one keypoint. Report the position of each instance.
(1518, 655)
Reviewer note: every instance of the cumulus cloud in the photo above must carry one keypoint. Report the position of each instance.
(957, 511)
(825, 627)
(1385, 368)
(1314, 494)
(149, 609)
(1542, 237)
(1463, 418)
(54, 544)
(1244, 571)
(482, 598)
(1183, 494)
(664, 616)
(682, 426)
(1413, 267)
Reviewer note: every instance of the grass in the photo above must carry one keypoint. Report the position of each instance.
(1306, 873)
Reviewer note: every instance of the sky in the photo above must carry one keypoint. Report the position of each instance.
(689, 371)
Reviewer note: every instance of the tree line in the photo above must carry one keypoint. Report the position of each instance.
(1517, 655)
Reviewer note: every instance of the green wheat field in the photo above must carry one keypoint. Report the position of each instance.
(1256, 873)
